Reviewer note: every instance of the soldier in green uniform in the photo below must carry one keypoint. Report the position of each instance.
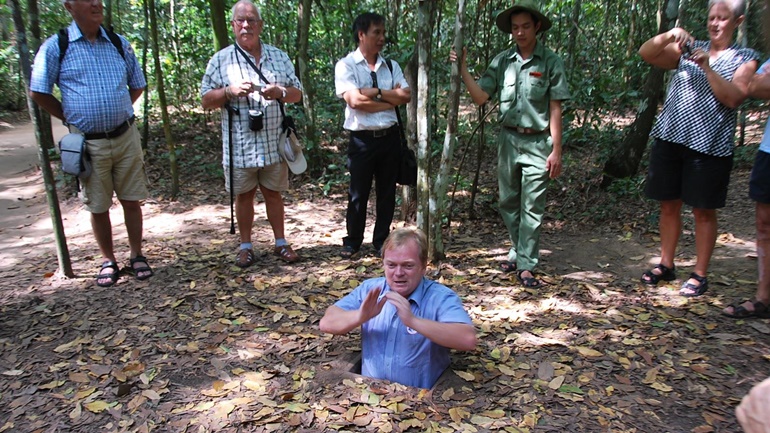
(529, 81)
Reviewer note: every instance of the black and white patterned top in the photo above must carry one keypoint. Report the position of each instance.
(251, 149)
(692, 115)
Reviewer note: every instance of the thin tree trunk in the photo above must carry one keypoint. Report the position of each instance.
(424, 11)
(219, 24)
(573, 33)
(438, 195)
(145, 50)
(35, 42)
(162, 99)
(62, 253)
(409, 195)
(174, 32)
(482, 111)
(107, 13)
(394, 11)
(631, 41)
(304, 15)
(743, 40)
(624, 162)
(480, 146)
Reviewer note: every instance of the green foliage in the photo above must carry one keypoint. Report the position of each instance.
(599, 45)
(743, 157)
(11, 83)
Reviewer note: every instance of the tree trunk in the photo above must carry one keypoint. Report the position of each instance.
(394, 11)
(107, 14)
(219, 24)
(425, 9)
(62, 253)
(625, 160)
(162, 99)
(481, 15)
(481, 146)
(438, 194)
(408, 195)
(743, 40)
(631, 40)
(303, 59)
(573, 34)
(35, 42)
(146, 95)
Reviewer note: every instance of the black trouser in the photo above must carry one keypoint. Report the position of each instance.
(371, 157)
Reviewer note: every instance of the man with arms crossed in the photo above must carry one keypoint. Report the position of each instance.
(372, 92)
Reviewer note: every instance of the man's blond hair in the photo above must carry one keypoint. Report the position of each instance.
(399, 237)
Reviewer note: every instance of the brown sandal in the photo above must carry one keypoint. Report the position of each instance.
(286, 253)
(245, 258)
(760, 310)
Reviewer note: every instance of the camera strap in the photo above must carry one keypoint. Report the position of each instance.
(261, 76)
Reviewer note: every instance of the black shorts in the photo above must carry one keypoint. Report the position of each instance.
(678, 172)
(759, 185)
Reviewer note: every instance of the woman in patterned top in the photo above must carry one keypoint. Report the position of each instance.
(691, 158)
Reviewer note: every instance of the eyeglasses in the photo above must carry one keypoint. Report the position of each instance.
(252, 21)
(374, 79)
(85, 1)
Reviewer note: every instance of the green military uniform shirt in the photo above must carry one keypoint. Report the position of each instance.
(525, 87)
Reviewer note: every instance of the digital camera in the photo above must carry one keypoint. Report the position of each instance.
(256, 120)
(687, 50)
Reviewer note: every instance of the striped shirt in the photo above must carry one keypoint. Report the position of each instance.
(260, 148)
(692, 115)
(93, 78)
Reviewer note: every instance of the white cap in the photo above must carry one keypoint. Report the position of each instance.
(291, 152)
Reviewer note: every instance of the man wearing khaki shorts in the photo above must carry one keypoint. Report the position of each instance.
(231, 79)
(99, 78)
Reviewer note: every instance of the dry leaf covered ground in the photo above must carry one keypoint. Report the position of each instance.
(204, 346)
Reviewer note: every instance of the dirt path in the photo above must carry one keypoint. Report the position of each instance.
(24, 220)
(591, 351)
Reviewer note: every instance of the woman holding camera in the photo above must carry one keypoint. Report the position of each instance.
(692, 156)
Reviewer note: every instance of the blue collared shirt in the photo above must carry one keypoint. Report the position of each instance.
(395, 352)
(93, 78)
(251, 149)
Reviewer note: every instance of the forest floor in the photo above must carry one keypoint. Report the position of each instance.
(205, 346)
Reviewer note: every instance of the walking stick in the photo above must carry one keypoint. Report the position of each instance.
(230, 112)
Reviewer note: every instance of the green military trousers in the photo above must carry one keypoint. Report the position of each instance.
(523, 179)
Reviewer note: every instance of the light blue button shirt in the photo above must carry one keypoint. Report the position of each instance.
(93, 78)
(395, 352)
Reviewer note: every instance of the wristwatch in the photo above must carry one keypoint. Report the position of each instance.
(379, 95)
(283, 94)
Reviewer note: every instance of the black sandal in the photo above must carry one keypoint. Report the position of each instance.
(348, 252)
(112, 276)
(141, 269)
(530, 282)
(760, 310)
(690, 290)
(666, 274)
(508, 266)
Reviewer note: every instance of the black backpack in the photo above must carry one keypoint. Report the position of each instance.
(64, 42)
